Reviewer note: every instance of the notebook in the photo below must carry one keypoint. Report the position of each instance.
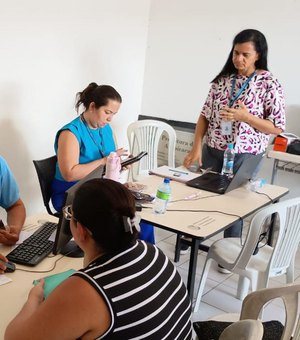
(220, 184)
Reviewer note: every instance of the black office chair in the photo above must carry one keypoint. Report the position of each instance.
(45, 169)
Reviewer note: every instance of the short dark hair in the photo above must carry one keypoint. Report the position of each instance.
(261, 47)
(99, 94)
(100, 205)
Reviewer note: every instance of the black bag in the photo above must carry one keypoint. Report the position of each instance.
(294, 147)
(211, 330)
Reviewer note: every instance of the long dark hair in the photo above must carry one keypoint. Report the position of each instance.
(99, 94)
(260, 44)
(100, 205)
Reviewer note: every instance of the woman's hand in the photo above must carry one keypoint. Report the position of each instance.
(240, 114)
(2, 265)
(10, 235)
(36, 294)
(122, 152)
(193, 156)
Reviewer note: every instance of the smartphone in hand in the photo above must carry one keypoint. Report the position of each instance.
(131, 160)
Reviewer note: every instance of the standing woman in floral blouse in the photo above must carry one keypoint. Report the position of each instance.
(244, 106)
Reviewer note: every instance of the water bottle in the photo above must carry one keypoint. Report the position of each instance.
(255, 185)
(162, 197)
(113, 167)
(228, 160)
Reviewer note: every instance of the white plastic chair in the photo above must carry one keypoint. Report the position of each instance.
(243, 330)
(270, 261)
(251, 310)
(254, 303)
(144, 135)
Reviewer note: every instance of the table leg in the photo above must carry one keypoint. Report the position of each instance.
(274, 172)
(177, 248)
(192, 267)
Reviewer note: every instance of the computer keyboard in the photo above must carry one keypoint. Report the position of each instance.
(35, 247)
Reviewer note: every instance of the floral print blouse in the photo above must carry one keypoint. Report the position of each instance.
(263, 98)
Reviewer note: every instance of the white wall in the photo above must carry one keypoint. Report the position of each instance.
(50, 50)
(189, 42)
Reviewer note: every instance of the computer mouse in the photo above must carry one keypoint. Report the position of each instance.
(10, 267)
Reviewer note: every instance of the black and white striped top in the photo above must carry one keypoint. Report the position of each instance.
(144, 293)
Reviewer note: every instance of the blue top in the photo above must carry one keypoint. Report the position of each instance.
(9, 191)
(93, 144)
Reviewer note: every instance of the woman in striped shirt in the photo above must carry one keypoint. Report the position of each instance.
(128, 289)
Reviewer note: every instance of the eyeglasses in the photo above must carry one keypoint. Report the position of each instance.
(67, 212)
(68, 215)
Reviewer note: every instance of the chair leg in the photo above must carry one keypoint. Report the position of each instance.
(202, 283)
(290, 275)
(243, 287)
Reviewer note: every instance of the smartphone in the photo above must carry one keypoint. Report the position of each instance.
(139, 196)
(131, 160)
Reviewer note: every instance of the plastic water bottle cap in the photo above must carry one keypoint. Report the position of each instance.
(167, 180)
(230, 145)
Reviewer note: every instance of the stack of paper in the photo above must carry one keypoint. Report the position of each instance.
(180, 174)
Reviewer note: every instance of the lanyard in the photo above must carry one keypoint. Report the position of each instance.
(99, 147)
(233, 99)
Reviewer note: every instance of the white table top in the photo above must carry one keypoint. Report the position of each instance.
(241, 202)
(284, 156)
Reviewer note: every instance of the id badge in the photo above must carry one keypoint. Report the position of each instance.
(226, 128)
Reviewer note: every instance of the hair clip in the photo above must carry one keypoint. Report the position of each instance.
(135, 221)
(127, 224)
(131, 222)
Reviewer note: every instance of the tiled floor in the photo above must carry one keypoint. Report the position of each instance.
(219, 294)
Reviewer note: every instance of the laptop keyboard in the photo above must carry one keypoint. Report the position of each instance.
(213, 182)
(35, 248)
(222, 180)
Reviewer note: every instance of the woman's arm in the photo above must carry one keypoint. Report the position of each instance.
(68, 158)
(196, 152)
(242, 114)
(73, 310)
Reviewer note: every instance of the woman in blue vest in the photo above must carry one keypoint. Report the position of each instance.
(84, 143)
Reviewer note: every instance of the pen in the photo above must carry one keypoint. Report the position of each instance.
(179, 171)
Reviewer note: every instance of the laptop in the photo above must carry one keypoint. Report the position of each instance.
(220, 184)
